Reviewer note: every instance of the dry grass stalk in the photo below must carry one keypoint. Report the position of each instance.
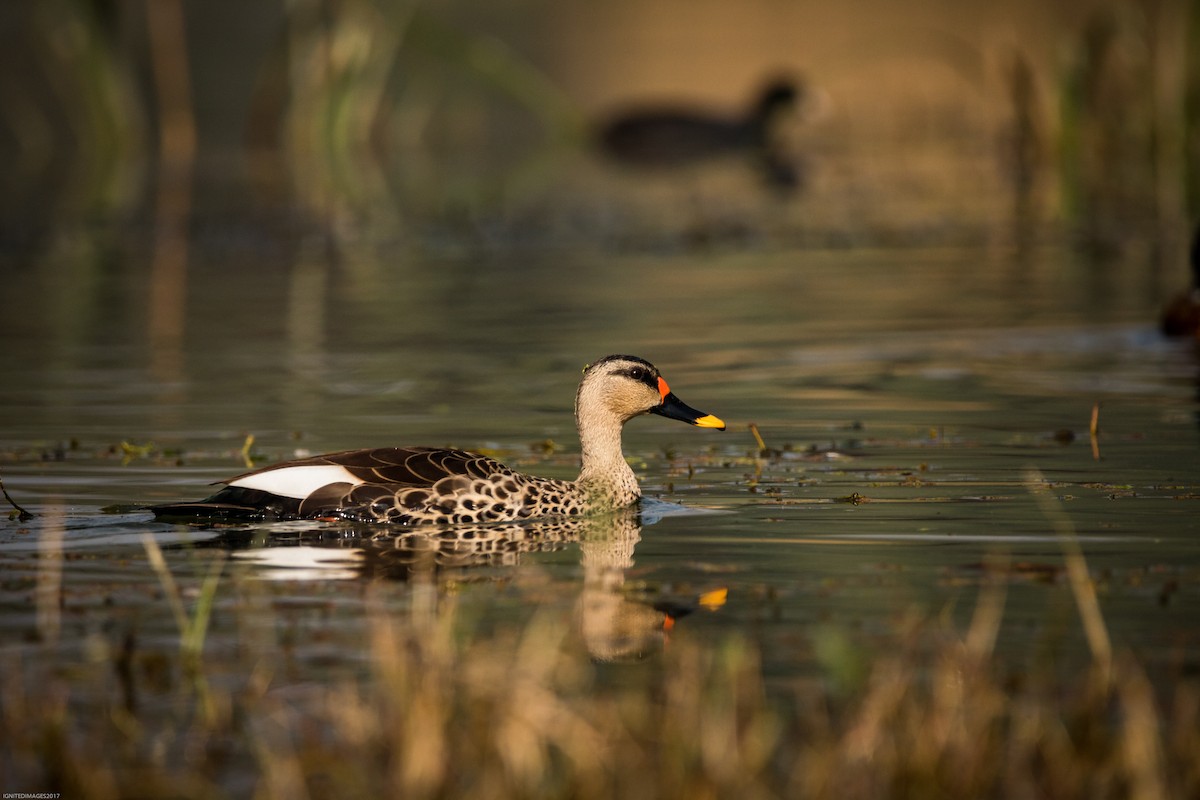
(1081, 584)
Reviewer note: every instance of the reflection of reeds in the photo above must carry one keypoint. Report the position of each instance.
(339, 62)
(1191, 111)
(168, 41)
(1077, 574)
(379, 108)
(443, 709)
(192, 630)
(366, 82)
(1123, 118)
(80, 110)
(50, 575)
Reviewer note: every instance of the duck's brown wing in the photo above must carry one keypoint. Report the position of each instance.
(387, 484)
(396, 466)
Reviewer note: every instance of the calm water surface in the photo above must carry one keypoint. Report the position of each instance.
(904, 396)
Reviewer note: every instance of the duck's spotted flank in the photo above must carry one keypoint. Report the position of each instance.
(411, 485)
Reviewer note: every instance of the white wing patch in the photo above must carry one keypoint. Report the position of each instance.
(297, 482)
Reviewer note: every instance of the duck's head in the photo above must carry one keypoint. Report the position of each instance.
(627, 386)
(778, 95)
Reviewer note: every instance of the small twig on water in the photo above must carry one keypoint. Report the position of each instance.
(1094, 431)
(757, 437)
(22, 514)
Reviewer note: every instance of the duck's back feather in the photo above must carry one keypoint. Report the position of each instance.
(397, 466)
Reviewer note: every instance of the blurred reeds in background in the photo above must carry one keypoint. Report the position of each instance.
(373, 112)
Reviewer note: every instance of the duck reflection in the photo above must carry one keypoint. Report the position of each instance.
(614, 623)
(677, 135)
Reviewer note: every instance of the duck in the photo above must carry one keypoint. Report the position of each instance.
(1182, 315)
(678, 135)
(430, 485)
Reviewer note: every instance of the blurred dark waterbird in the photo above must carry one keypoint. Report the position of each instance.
(676, 135)
(1182, 315)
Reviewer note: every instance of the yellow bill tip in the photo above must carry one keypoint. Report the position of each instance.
(709, 421)
(714, 599)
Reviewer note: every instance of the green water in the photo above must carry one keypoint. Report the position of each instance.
(926, 383)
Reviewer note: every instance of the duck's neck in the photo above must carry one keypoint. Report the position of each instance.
(605, 474)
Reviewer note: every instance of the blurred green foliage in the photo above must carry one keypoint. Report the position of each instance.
(368, 108)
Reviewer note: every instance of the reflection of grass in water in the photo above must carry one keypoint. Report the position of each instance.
(358, 79)
(358, 101)
(443, 711)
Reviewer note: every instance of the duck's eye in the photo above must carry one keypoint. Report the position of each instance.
(637, 373)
